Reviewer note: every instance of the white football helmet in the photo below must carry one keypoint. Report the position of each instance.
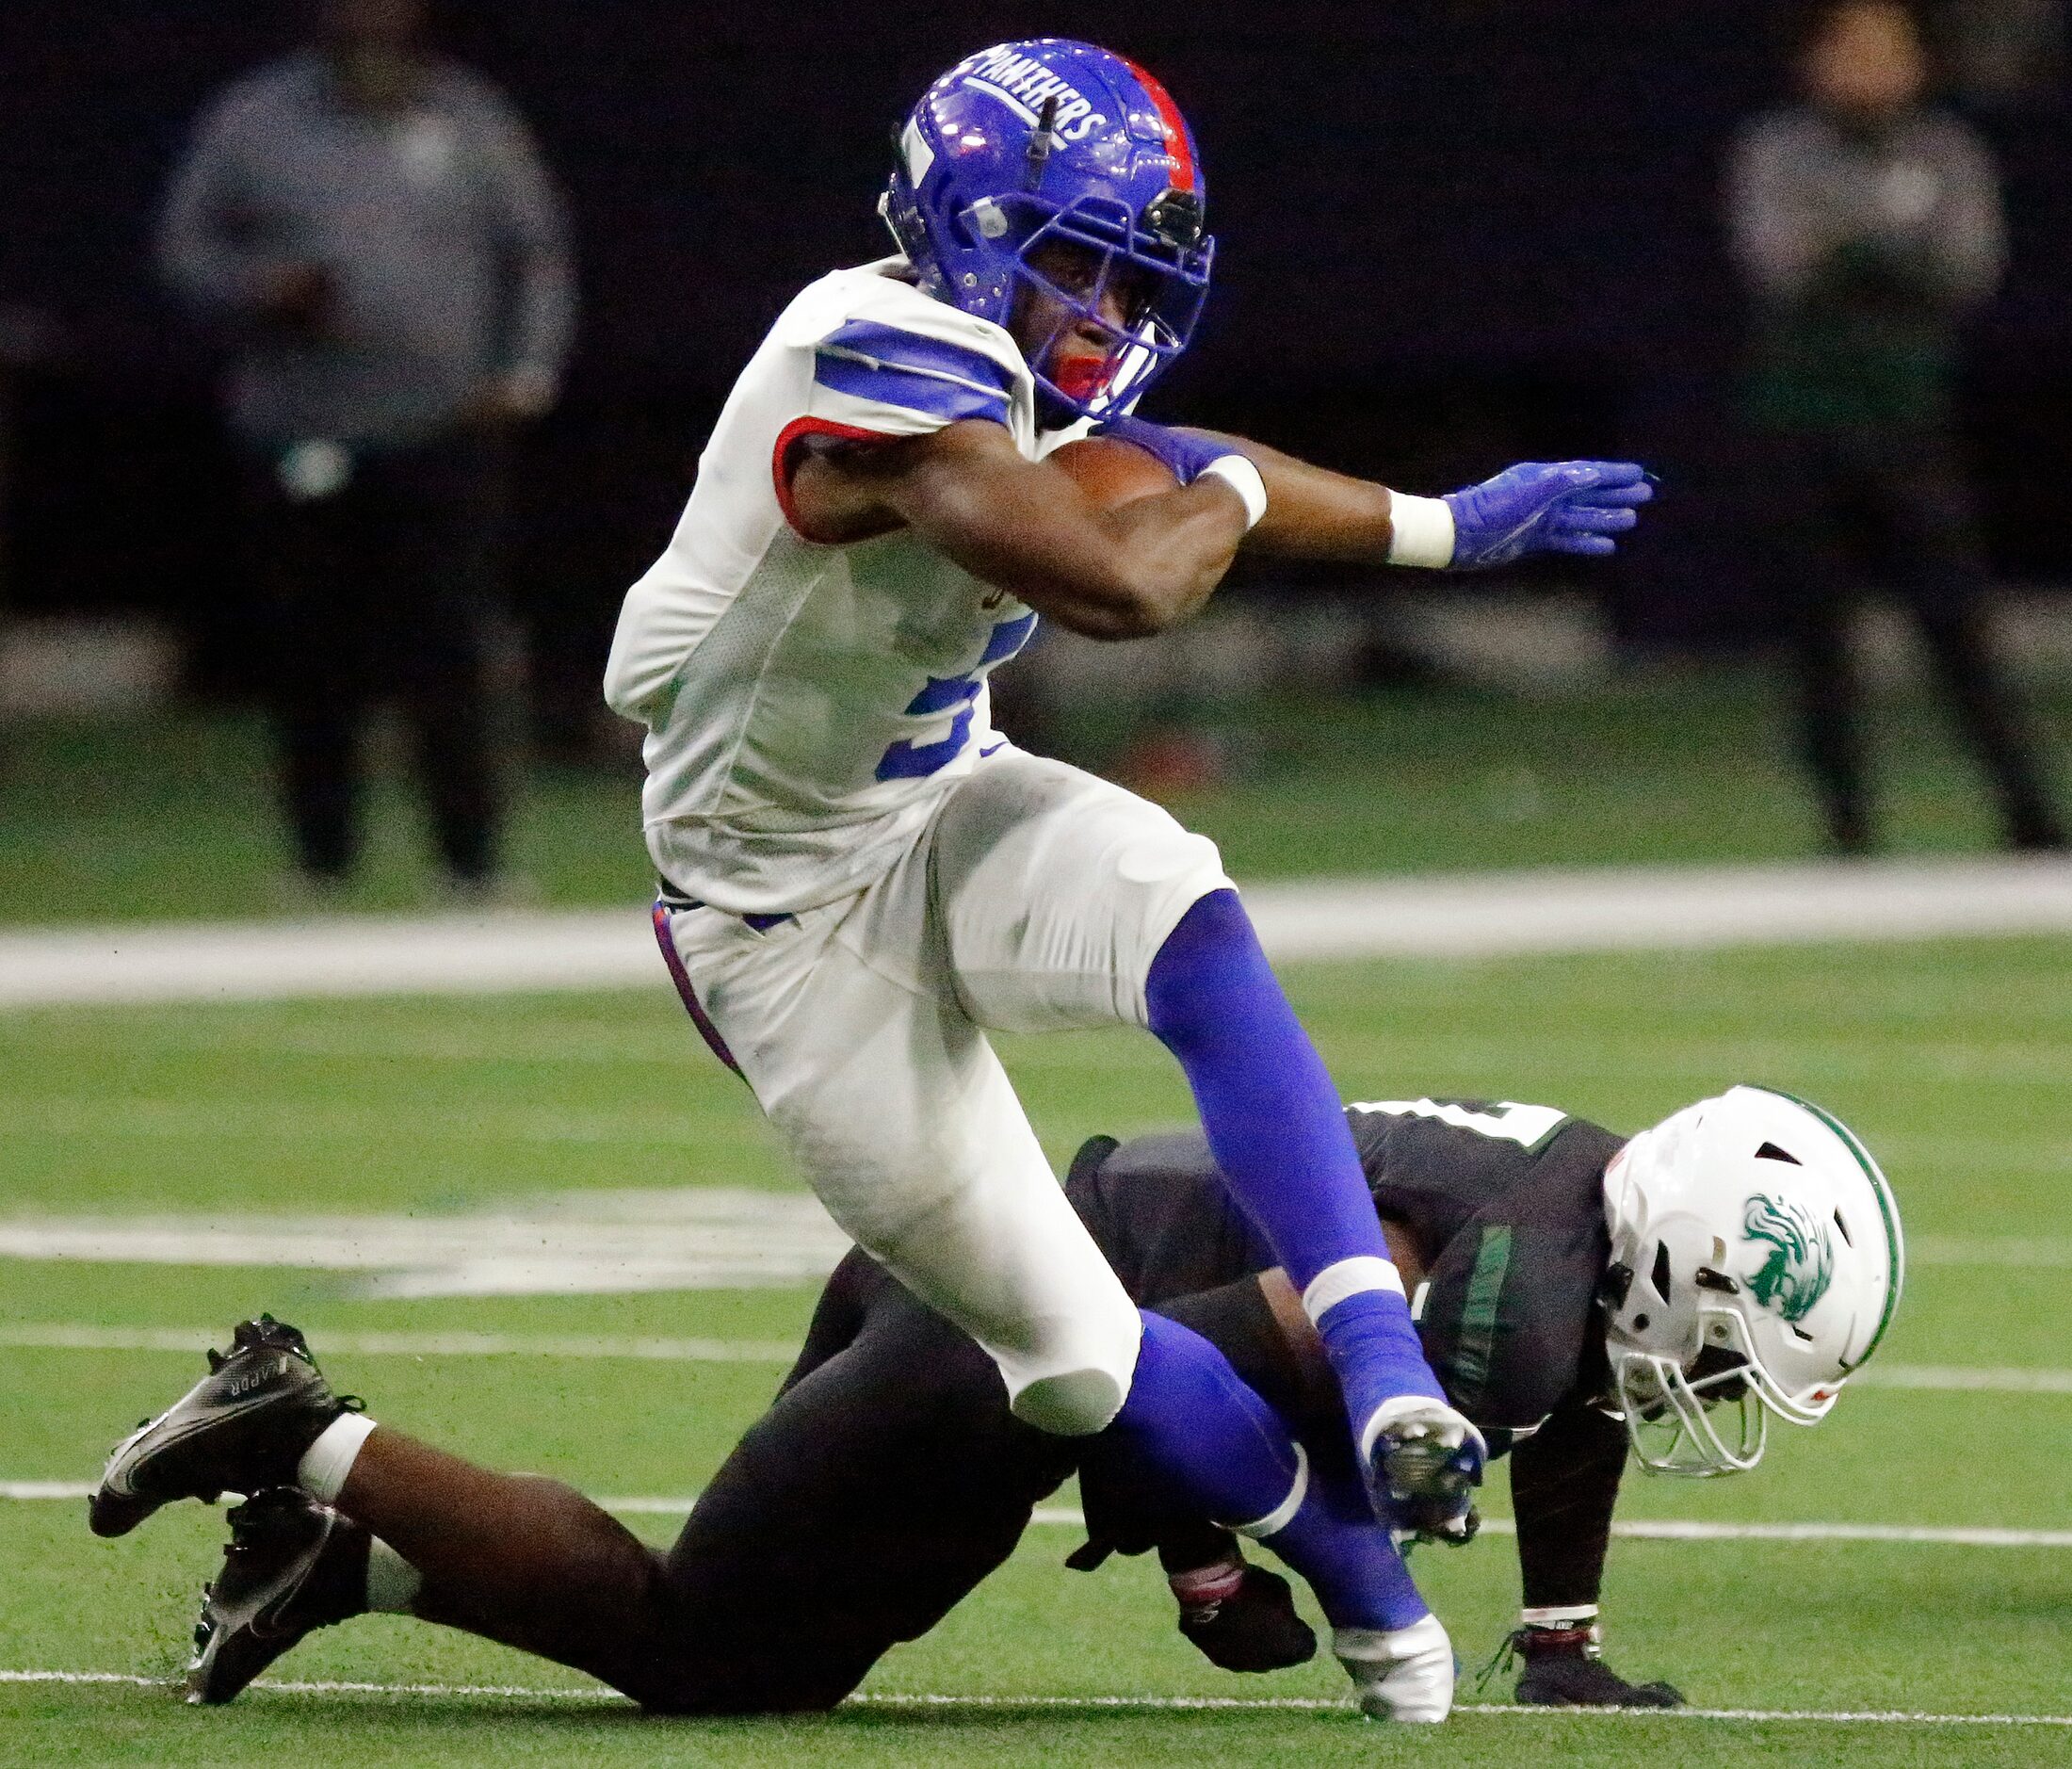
(1757, 1262)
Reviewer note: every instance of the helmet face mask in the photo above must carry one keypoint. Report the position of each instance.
(1757, 1263)
(1027, 146)
(1161, 302)
(1674, 1416)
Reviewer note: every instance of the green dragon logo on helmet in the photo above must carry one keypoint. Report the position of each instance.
(1800, 1264)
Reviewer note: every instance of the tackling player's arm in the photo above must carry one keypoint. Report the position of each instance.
(1027, 528)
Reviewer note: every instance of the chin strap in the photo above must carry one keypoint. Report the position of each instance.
(1042, 142)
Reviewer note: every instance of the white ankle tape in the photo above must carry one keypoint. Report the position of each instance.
(1348, 1277)
(1569, 1615)
(321, 1472)
(1283, 1513)
(393, 1582)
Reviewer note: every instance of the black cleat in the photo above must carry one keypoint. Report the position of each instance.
(1564, 1667)
(292, 1565)
(1423, 1462)
(1256, 1629)
(242, 1427)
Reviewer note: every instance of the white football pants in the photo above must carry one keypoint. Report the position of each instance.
(1035, 899)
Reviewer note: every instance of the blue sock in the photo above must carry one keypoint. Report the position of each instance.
(1216, 1446)
(1348, 1558)
(1278, 1131)
(1202, 1431)
(1345, 1556)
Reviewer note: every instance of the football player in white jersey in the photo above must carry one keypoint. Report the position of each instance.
(861, 878)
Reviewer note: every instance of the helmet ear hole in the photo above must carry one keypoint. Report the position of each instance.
(1719, 1367)
(1658, 1276)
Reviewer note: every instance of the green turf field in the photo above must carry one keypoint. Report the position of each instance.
(171, 820)
(1954, 1060)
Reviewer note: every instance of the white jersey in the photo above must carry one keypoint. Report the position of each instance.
(808, 704)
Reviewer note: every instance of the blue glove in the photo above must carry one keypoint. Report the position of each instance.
(1192, 457)
(1547, 507)
(1185, 452)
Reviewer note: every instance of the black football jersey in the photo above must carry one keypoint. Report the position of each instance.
(1504, 1202)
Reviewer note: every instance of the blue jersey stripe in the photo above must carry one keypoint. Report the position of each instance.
(891, 347)
(1008, 637)
(945, 400)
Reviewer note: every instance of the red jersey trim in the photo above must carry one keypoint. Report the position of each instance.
(788, 439)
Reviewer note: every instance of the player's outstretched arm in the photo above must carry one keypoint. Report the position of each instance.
(1575, 507)
(1027, 528)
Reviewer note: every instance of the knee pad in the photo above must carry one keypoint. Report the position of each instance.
(1072, 1403)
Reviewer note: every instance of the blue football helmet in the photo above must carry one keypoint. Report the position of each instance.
(1030, 143)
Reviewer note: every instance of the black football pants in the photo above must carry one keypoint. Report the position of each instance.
(382, 590)
(1890, 508)
(885, 1481)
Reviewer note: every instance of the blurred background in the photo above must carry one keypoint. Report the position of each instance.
(1452, 234)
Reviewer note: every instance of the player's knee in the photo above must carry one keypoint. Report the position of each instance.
(1211, 951)
(1215, 921)
(1070, 1404)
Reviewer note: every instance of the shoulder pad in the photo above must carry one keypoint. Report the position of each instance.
(888, 357)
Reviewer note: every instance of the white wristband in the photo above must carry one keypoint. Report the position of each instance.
(1243, 478)
(1423, 531)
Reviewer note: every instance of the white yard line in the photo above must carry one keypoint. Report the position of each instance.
(2049, 1255)
(1924, 1536)
(1954, 1379)
(62, 1336)
(563, 1243)
(585, 1243)
(1467, 915)
(1080, 1704)
(1637, 1529)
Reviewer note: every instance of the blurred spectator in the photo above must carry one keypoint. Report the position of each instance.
(372, 230)
(1867, 225)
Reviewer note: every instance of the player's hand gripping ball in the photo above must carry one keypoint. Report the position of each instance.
(1113, 472)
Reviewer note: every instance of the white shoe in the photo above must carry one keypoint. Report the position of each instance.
(1405, 1674)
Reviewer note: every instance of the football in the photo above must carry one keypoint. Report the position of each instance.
(1113, 473)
